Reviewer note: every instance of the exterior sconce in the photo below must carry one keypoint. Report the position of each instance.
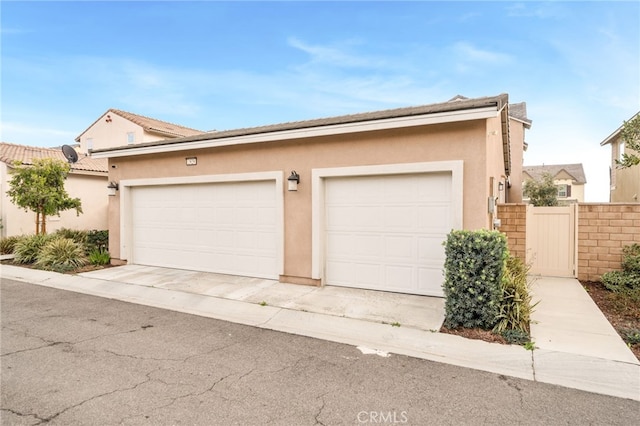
(293, 181)
(500, 186)
(112, 188)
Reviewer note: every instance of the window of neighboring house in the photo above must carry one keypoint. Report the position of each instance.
(89, 143)
(564, 191)
(620, 150)
(131, 137)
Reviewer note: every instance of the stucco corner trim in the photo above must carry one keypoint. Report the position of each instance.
(317, 200)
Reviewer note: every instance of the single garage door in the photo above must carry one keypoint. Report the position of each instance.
(386, 232)
(228, 228)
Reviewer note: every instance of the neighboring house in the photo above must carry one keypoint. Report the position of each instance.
(87, 181)
(363, 200)
(117, 128)
(569, 178)
(624, 183)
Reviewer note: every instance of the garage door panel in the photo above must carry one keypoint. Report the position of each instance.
(386, 232)
(226, 227)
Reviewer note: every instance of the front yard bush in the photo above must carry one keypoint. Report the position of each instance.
(28, 247)
(628, 280)
(515, 300)
(473, 273)
(78, 236)
(97, 240)
(61, 255)
(8, 244)
(99, 257)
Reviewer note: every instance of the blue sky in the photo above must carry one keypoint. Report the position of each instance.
(225, 65)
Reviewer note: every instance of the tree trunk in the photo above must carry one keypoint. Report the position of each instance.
(44, 224)
(37, 222)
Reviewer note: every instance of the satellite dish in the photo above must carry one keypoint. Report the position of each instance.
(70, 154)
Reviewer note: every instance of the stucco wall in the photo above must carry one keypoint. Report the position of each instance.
(90, 189)
(443, 142)
(114, 133)
(625, 183)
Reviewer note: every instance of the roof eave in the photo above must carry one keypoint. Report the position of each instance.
(212, 141)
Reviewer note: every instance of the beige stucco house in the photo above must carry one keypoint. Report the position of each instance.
(624, 183)
(569, 178)
(117, 128)
(87, 181)
(363, 200)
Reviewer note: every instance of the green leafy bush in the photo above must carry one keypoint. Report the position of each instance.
(28, 247)
(631, 258)
(99, 257)
(515, 301)
(627, 280)
(8, 244)
(516, 337)
(473, 272)
(61, 255)
(78, 236)
(97, 240)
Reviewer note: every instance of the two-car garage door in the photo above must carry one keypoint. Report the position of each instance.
(386, 232)
(381, 232)
(229, 227)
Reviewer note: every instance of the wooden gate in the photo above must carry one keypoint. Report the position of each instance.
(551, 240)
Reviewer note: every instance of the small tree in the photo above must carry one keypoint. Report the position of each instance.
(542, 192)
(630, 135)
(40, 188)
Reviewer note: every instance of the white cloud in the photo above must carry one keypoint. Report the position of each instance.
(469, 53)
(34, 134)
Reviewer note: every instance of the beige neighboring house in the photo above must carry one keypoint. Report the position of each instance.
(87, 180)
(624, 183)
(363, 200)
(118, 128)
(569, 178)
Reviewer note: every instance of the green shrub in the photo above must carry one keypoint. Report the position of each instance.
(28, 247)
(78, 236)
(61, 255)
(97, 240)
(631, 258)
(630, 336)
(99, 257)
(473, 272)
(627, 280)
(516, 337)
(515, 300)
(8, 244)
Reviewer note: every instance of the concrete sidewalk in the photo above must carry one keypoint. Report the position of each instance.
(575, 345)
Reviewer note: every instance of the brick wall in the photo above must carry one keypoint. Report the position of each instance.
(603, 230)
(514, 224)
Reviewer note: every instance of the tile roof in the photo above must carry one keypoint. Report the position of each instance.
(519, 112)
(9, 153)
(151, 125)
(575, 170)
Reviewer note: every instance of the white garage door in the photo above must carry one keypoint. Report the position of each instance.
(229, 228)
(386, 232)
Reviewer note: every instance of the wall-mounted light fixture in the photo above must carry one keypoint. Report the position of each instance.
(500, 186)
(112, 188)
(293, 180)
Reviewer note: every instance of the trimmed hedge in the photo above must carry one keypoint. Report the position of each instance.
(473, 271)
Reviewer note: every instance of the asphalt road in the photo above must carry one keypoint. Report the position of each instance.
(73, 359)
